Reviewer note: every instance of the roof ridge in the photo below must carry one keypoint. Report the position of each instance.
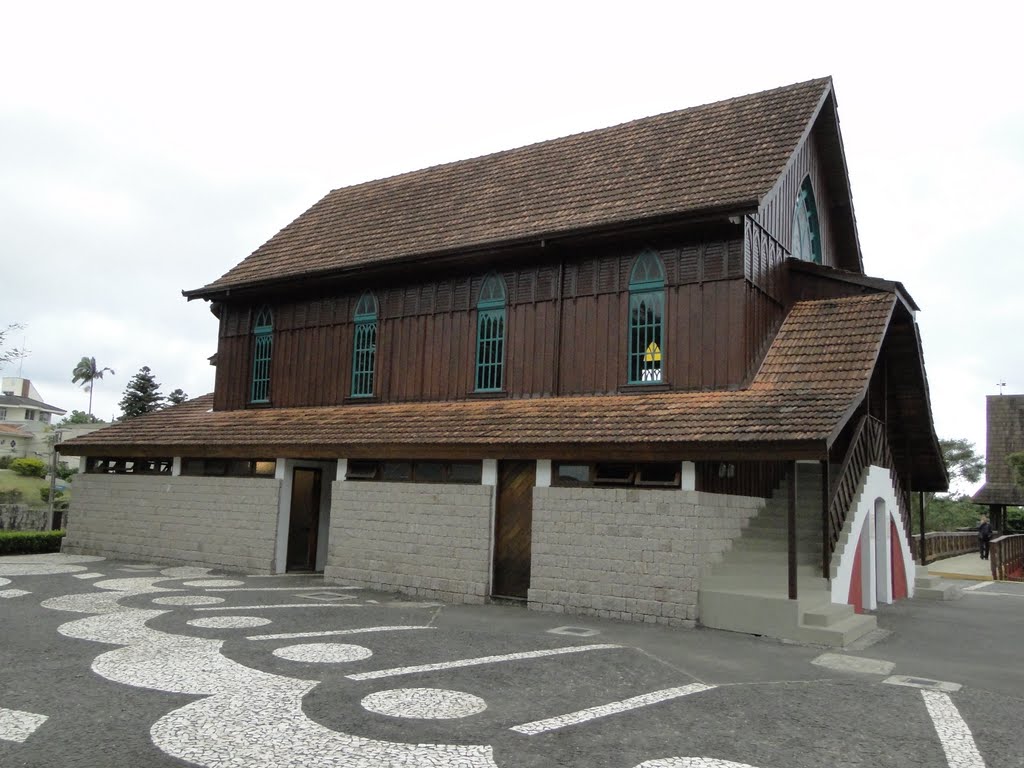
(718, 156)
(822, 81)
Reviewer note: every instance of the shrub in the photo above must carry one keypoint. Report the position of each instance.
(44, 494)
(29, 467)
(66, 473)
(5, 462)
(29, 542)
(13, 496)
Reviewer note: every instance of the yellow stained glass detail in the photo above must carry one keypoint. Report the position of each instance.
(653, 353)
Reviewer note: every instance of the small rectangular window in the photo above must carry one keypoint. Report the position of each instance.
(573, 474)
(44, 417)
(429, 472)
(658, 474)
(3, 414)
(396, 471)
(468, 473)
(265, 468)
(361, 470)
(30, 415)
(613, 474)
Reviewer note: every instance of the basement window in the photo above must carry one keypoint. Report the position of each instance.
(645, 475)
(431, 472)
(119, 466)
(228, 467)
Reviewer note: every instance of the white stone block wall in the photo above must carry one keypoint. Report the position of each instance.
(631, 554)
(426, 540)
(221, 522)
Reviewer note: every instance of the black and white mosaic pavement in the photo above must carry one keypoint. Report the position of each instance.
(174, 666)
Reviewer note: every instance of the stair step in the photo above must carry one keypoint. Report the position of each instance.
(827, 615)
(842, 633)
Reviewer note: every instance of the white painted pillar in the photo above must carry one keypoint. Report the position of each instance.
(282, 473)
(83, 463)
(342, 470)
(176, 466)
(489, 473)
(689, 476)
(543, 473)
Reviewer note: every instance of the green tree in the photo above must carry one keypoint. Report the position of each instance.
(79, 417)
(177, 397)
(949, 511)
(142, 395)
(962, 461)
(88, 373)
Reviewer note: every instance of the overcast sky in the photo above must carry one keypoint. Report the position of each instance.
(146, 148)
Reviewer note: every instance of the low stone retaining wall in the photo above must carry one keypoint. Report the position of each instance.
(630, 554)
(18, 517)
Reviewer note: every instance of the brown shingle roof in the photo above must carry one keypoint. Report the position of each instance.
(818, 367)
(725, 155)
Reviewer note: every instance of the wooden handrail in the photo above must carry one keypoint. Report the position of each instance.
(1006, 556)
(868, 445)
(942, 544)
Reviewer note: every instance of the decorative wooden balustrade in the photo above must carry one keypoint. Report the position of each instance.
(868, 446)
(941, 544)
(1006, 555)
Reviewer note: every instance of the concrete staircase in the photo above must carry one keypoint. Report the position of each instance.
(748, 590)
(928, 587)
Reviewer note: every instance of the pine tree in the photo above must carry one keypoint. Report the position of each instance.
(177, 397)
(142, 395)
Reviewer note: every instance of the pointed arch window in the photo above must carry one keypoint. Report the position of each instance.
(490, 335)
(806, 235)
(364, 346)
(646, 319)
(263, 341)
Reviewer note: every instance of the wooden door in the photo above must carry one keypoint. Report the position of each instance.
(513, 527)
(304, 520)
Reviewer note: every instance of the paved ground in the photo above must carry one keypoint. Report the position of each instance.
(969, 566)
(126, 664)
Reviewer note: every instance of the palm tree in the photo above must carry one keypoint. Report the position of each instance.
(87, 373)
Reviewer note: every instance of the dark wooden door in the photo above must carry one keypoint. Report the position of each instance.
(513, 527)
(304, 520)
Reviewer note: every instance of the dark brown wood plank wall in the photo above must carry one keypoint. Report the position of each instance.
(573, 344)
(776, 212)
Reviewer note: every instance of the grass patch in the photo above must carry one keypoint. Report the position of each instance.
(29, 542)
(29, 487)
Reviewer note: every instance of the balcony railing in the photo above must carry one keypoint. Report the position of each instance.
(1006, 556)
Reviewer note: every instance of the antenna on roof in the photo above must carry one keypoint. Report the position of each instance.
(1001, 384)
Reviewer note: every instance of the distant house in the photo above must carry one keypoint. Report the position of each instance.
(1004, 435)
(637, 372)
(25, 419)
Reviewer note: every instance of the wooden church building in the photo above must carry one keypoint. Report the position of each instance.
(637, 372)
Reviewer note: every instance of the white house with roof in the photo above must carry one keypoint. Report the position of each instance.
(25, 419)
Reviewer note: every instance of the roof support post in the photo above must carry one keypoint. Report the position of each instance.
(922, 549)
(791, 530)
(826, 497)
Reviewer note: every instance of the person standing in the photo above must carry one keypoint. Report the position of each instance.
(984, 536)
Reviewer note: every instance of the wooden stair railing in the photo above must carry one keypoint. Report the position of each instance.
(1006, 554)
(868, 446)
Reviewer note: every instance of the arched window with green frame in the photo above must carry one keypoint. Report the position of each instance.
(364, 346)
(806, 235)
(262, 347)
(646, 319)
(490, 335)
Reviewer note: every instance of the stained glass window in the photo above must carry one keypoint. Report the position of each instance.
(646, 319)
(806, 236)
(490, 335)
(263, 340)
(364, 346)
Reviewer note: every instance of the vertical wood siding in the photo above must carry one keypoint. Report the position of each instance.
(573, 343)
(776, 213)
